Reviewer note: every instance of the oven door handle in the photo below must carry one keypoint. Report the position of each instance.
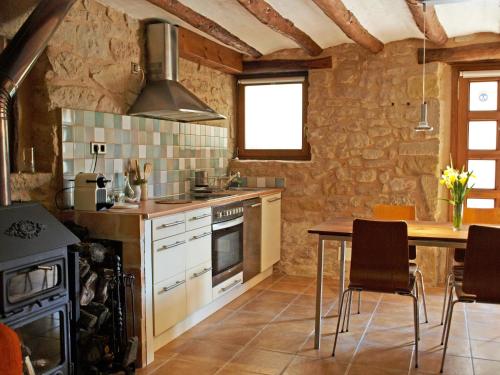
(227, 224)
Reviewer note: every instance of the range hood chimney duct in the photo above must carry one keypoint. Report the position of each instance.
(163, 96)
(15, 63)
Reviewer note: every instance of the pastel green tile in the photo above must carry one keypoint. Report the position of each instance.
(117, 121)
(135, 123)
(163, 164)
(126, 151)
(156, 125)
(79, 151)
(79, 118)
(88, 118)
(109, 120)
(149, 138)
(149, 151)
(142, 124)
(149, 124)
(163, 138)
(117, 151)
(156, 151)
(110, 154)
(126, 136)
(176, 140)
(99, 120)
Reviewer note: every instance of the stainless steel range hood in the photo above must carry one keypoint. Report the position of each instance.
(163, 96)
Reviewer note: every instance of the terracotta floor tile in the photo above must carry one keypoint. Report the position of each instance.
(179, 367)
(346, 347)
(231, 335)
(482, 331)
(304, 365)
(430, 363)
(294, 288)
(310, 300)
(260, 361)
(277, 339)
(486, 350)
(365, 370)
(264, 306)
(243, 299)
(397, 357)
(485, 367)
(290, 324)
(247, 319)
(225, 371)
(276, 297)
(205, 351)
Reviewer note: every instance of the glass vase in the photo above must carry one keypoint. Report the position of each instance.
(458, 210)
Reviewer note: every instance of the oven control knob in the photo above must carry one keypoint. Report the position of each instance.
(218, 215)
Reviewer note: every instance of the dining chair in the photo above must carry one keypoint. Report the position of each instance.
(481, 273)
(402, 212)
(379, 263)
(471, 216)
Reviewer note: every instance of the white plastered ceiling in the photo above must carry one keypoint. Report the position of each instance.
(387, 20)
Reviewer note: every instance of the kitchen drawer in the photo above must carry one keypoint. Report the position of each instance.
(227, 286)
(169, 302)
(198, 218)
(198, 246)
(169, 257)
(199, 287)
(167, 226)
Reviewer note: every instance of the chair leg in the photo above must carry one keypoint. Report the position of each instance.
(446, 288)
(338, 321)
(422, 286)
(359, 302)
(448, 326)
(349, 311)
(346, 314)
(450, 299)
(417, 327)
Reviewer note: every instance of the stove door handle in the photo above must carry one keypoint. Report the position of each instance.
(273, 200)
(230, 286)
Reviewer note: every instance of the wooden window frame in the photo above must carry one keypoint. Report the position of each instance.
(273, 154)
(459, 136)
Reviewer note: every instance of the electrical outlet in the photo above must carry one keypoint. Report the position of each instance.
(98, 148)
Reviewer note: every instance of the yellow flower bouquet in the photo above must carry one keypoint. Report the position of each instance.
(457, 182)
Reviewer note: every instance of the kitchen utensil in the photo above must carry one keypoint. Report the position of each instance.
(148, 168)
(137, 169)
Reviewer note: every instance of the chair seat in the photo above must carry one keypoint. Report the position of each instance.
(462, 296)
(382, 290)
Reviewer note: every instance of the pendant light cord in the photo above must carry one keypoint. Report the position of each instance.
(423, 65)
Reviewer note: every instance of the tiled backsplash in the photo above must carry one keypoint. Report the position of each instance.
(175, 149)
(267, 182)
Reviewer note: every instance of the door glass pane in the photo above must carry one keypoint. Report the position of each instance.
(482, 135)
(273, 117)
(483, 96)
(485, 173)
(480, 203)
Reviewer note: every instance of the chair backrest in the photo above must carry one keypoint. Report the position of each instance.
(481, 215)
(482, 263)
(393, 212)
(477, 216)
(379, 259)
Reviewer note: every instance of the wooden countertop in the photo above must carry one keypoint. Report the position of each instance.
(150, 209)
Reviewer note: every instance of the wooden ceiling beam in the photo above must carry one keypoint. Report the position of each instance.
(349, 24)
(266, 14)
(205, 25)
(281, 66)
(203, 51)
(434, 31)
(473, 52)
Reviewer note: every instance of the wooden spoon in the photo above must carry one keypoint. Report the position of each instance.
(148, 168)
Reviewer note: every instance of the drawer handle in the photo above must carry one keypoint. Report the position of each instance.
(199, 217)
(273, 200)
(171, 224)
(166, 247)
(200, 236)
(256, 205)
(230, 286)
(198, 274)
(167, 288)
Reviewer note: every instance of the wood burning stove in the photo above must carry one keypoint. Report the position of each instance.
(34, 298)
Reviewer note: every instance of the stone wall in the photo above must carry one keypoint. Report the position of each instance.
(87, 65)
(361, 115)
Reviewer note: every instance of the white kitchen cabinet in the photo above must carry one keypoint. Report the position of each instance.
(198, 246)
(167, 226)
(198, 218)
(199, 286)
(169, 257)
(169, 301)
(227, 285)
(270, 231)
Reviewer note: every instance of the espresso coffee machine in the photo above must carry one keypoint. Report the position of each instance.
(90, 192)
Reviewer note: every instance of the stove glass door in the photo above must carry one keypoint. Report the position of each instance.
(227, 248)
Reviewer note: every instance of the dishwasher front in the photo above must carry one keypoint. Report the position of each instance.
(252, 214)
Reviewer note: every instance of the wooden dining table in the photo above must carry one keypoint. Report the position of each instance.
(420, 233)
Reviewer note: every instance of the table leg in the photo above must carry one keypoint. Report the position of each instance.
(341, 273)
(319, 294)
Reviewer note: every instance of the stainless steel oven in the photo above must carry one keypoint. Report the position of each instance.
(227, 242)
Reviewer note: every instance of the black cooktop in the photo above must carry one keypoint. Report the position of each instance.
(199, 196)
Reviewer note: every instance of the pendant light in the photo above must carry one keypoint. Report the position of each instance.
(423, 125)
